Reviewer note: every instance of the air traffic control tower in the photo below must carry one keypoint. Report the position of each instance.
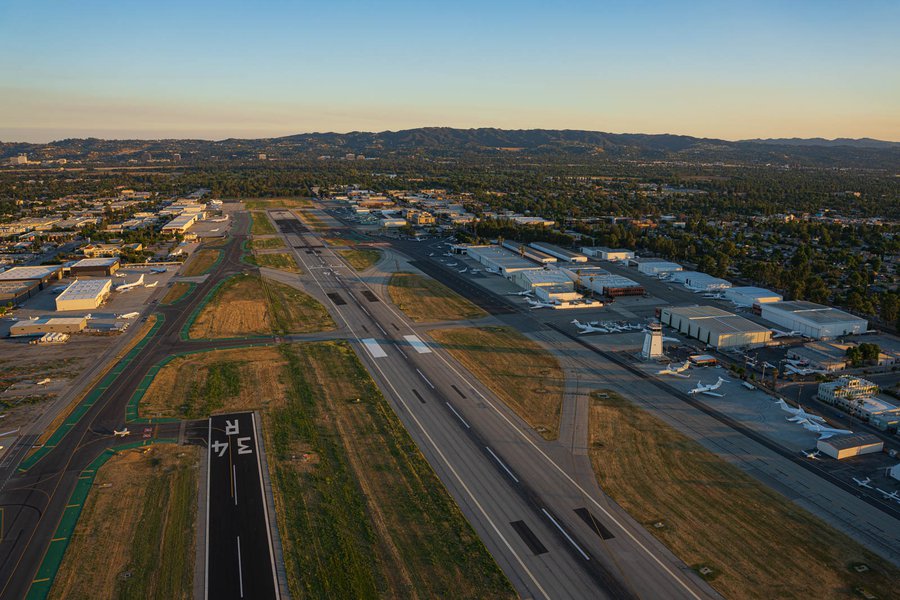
(653, 342)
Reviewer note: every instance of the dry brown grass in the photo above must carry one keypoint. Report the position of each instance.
(178, 289)
(249, 305)
(266, 243)
(425, 300)
(276, 260)
(269, 203)
(200, 262)
(758, 543)
(260, 224)
(519, 371)
(130, 489)
(196, 385)
(360, 260)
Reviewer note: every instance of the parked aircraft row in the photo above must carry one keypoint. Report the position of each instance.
(605, 326)
(810, 422)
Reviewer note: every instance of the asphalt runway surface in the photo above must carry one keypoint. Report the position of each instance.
(33, 501)
(239, 555)
(553, 536)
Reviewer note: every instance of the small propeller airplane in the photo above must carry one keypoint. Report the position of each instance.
(863, 482)
(123, 433)
(587, 327)
(709, 390)
(811, 455)
(777, 333)
(676, 371)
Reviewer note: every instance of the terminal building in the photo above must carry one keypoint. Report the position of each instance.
(749, 295)
(701, 282)
(718, 328)
(654, 266)
(48, 325)
(41, 276)
(84, 294)
(560, 253)
(813, 320)
(95, 267)
(604, 253)
(500, 260)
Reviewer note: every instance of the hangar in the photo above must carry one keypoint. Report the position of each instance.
(749, 295)
(655, 266)
(15, 291)
(611, 254)
(716, 327)
(529, 253)
(560, 253)
(84, 294)
(48, 325)
(500, 260)
(813, 320)
(700, 282)
(847, 446)
(95, 267)
(42, 275)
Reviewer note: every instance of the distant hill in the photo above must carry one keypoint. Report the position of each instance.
(449, 142)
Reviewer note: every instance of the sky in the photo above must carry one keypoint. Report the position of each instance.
(212, 70)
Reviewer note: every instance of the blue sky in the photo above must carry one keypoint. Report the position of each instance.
(220, 69)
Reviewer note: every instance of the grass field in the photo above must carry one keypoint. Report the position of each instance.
(251, 305)
(425, 300)
(360, 259)
(216, 242)
(275, 260)
(178, 289)
(267, 203)
(266, 243)
(522, 374)
(200, 262)
(137, 524)
(361, 513)
(758, 544)
(261, 225)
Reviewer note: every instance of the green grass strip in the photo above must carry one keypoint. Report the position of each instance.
(46, 573)
(89, 400)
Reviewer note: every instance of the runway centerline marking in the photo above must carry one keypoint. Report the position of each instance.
(240, 567)
(565, 533)
(458, 416)
(501, 463)
(422, 375)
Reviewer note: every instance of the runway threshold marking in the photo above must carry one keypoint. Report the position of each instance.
(502, 464)
(458, 416)
(566, 534)
(374, 348)
(417, 344)
(531, 540)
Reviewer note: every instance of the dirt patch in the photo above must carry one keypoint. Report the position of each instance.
(425, 300)
(276, 260)
(524, 375)
(240, 307)
(360, 260)
(757, 543)
(175, 293)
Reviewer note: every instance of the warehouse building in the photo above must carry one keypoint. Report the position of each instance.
(560, 253)
(718, 328)
(13, 292)
(42, 275)
(813, 320)
(48, 325)
(848, 446)
(500, 260)
(749, 295)
(700, 282)
(84, 294)
(655, 266)
(605, 253)
(529, 253)
(95, 267)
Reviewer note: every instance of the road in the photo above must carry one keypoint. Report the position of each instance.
(239, 557)
(553, 536)
(33, 501)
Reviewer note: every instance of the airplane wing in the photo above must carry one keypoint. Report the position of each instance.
(716, 394)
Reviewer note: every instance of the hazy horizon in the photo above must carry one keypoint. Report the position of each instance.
(231, 70)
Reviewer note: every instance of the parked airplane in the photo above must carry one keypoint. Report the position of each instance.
(889, 495)
(431, 254)
(709, 390)
(214, 230)
(464, 269)
(453, 264)
(676, 371)
(44, 381)
(777, 333)
(863, 482)
(798, 413)
(802, 371)
(588, 327)
(158, 270)
(823, 431)
(127, 286)
(120, 275)
(536, 304)
(122, 433)
(523, 293)
(748, 385)
(130, 315)
(813, 455)
(151, 285)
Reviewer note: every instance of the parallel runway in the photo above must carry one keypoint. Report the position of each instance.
(239, 556)
(33, 501)
(552, 536)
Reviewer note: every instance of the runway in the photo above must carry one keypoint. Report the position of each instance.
(552, 536)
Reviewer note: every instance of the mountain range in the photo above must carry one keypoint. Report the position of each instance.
(449, 142)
